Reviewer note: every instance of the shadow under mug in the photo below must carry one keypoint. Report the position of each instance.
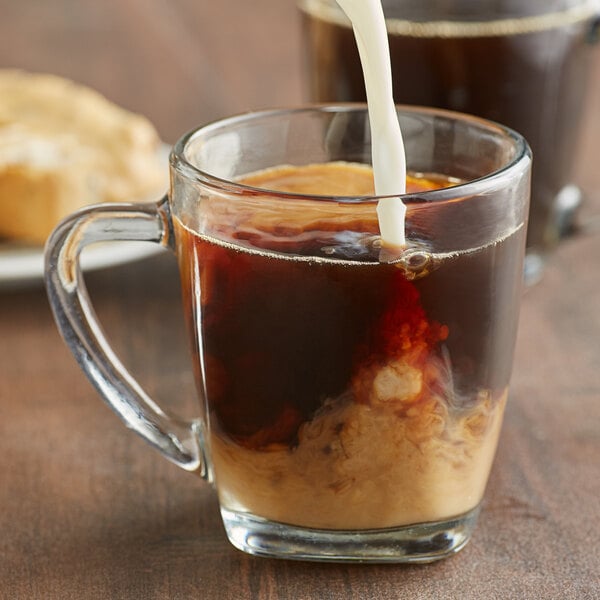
(350, 405)
(523, 64)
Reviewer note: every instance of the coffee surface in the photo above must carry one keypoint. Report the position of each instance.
(334, 179)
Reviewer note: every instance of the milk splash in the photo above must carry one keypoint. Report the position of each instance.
(389, 160)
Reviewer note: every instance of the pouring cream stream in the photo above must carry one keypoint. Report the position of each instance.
(389, 161)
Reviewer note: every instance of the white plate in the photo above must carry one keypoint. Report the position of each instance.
(22, 265)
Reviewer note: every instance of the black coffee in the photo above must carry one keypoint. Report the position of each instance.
(527, 74)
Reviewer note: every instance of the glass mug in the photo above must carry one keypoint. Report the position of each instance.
(351, 397)
(524, 64)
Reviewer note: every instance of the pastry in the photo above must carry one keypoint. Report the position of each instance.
(64, 146)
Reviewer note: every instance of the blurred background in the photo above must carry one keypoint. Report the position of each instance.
(178, 62)
(182, 63)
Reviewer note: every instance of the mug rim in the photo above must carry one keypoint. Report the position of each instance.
(450, 25)
(472, 187)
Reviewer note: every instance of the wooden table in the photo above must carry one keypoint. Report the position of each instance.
(88, 511)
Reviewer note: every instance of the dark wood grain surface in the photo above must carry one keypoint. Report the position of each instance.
(88, 511)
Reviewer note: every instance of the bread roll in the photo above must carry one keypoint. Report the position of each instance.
(64, 146)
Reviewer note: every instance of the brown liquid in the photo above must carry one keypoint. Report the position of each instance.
(532, 81)
(343, 392)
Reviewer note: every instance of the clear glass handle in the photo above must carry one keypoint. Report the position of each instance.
(179, 441)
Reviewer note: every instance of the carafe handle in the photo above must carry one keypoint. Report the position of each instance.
(593, 35)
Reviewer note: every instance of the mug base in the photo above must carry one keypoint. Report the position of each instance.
(420, 543)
